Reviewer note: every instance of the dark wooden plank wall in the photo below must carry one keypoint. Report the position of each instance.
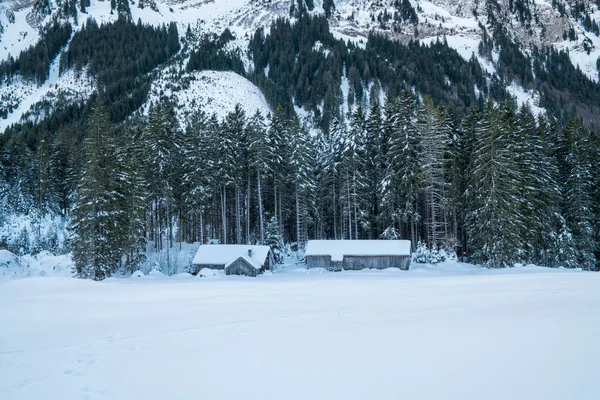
(241, 267)
(359, 262)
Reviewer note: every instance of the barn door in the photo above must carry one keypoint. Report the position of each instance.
(349, 263)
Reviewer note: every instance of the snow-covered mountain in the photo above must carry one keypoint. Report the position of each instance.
(465, 25)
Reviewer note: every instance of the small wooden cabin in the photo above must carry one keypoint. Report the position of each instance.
(234, 259)
(243, 265)
(337, 255)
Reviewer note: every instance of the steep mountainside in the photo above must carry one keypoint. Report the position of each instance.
(486, 29)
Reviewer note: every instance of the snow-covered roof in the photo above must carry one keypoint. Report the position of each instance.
(249, 260)
(337, 249)
(223, 254)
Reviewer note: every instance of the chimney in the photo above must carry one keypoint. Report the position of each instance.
(250, 253)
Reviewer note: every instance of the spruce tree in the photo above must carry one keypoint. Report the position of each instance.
(199, 152)
(354, 185)
(98, 203)
(373, 167)
(434, 140)
(405, 170)
(578, 189)
(259, 153)
(274, 240)
(133, 190)
(302, 176)
(538, 190)
(494, 220)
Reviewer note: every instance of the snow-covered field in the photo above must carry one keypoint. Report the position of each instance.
(446, 332)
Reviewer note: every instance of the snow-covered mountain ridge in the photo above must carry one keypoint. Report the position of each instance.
(464, 25)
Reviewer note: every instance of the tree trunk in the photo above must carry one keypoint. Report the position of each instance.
(335, 236)
(297, 217)
(260, 209)
(224, 213)
(355, 207)
(248, 211)
(238, 218)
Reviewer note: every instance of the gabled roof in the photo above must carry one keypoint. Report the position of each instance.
(223, 254)
(249, 260)
(337, 249)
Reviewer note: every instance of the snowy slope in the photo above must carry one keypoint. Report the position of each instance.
(514, 334)
(216, 92)
(457, 22)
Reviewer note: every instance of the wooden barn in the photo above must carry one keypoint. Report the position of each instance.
(337, 255)
(234, 259)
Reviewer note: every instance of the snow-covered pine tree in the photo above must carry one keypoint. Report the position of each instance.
(278, 132)
(434, 139)
(595, 140)
(64, 168)
(259, 153)
(389, 200)
(422, 254)
(302, 160)
(274, 240)
(233, 161)
(352, 192)
(133, 190)
(578, 190)
(494, 222)
(538, 190)
(199, 152)
(328, 161)
(98, 205)
(562, 252)
(162, 145)
(46, 200)
(453, 141)
(462, 168)
(373, 171)
(405, 167)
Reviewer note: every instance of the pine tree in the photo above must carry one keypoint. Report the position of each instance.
(274, 240)
(373, 167)
(354, 185)
(562, 252)
(538, 190)
(162, 145)
(132, 188)
(45, 191)
(405, 167)
(434, 139)
(97, 212)
(302, 177)
(234, 159)
(260, 154)
(278, 166)
(199, 152)
(328, 163)
(494, 221)
(578, 186)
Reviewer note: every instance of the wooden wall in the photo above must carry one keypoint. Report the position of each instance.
(198, 267)
(241, 267)
(359, 262)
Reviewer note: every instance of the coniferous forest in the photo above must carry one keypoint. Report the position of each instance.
(416, 158)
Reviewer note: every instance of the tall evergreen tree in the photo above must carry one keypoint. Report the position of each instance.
(434, 139)
(494, 221)
(98, 205)
(405, 165)
(578, 188)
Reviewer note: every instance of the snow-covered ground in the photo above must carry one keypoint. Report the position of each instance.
(445, 332)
